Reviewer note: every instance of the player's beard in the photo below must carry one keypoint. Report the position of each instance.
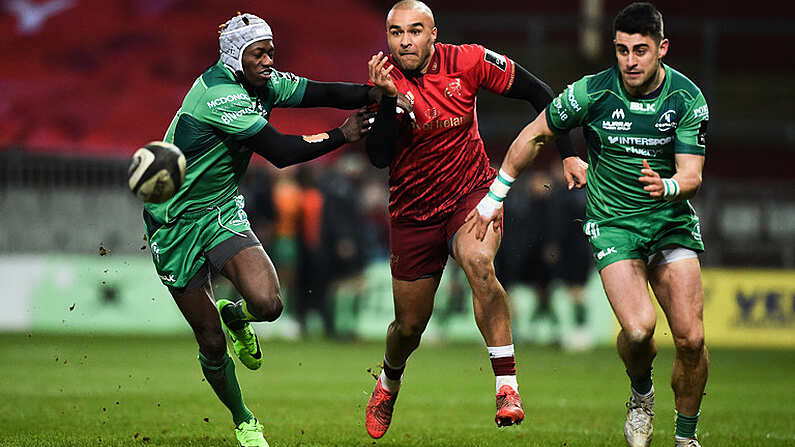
(416, 70)
(649, 82)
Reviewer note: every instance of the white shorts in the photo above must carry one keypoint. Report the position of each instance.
(669, 255)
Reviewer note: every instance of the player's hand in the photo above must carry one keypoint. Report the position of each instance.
(357, 125)
(481, 216)
(380, 75)
(405, 105)
(654, 185)
(574, 172)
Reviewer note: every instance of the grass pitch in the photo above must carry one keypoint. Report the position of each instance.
(149, 391)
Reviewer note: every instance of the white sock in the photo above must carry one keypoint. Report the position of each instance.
(389, 384)
(638, 395)
(507, 380)
(496, 352)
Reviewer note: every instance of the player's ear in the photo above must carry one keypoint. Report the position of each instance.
(433, 35)
(663, 49)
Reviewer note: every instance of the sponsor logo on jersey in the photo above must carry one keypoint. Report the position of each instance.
(558, 104)
(495, 59)
(696, 233)
(285, 75)
(641, 107)
(618, 114)
(701, 138)
(645, 152)
(667, 121)
(431, 113)
(572, 100)
(641, 141)
(606, 252)
(227, 99)
(630, 144)
(591, 230)
(155, 250)
(167, 278)
(242, 218)
(453, 88)
(443, 123)
(701, 112)
(228, 117)
(617, 125)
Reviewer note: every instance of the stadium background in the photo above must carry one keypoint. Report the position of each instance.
(83, 83)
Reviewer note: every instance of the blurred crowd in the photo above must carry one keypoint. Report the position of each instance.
(323, 223)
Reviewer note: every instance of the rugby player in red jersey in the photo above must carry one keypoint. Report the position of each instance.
(438, 172)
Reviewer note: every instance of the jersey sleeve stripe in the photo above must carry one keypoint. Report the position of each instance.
(689, 149)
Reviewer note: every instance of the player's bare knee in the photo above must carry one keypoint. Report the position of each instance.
(266, 306)
(409, 328)
(690, 345)
(478, 265)
(212, 343)
(638, 335)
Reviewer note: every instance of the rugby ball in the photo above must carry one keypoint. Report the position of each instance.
(156, 172)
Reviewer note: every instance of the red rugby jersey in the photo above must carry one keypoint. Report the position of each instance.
(440, 157)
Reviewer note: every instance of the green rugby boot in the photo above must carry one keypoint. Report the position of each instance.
(244, 340)
(249, 434)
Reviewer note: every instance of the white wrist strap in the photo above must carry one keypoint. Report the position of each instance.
(497, 192)
(670, 189)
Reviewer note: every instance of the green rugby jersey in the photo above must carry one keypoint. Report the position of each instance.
(621, 131)
(216, 115)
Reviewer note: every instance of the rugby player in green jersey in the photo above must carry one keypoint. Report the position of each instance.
(204, 229)
(645, 126)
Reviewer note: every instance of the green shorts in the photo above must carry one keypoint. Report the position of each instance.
(640, 235)
(181, 249)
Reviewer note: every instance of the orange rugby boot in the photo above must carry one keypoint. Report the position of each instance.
(509, 407)
(379, 410)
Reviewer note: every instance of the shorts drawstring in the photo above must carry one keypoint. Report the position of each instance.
(218, 208)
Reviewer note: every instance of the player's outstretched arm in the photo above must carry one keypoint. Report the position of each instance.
(382, 140)
(522, 152)
(535, 91)
(285, 150)
(339, 95)
(682, 186)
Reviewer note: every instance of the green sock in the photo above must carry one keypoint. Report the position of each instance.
(224, 382)
(686, 425)
(641, 384)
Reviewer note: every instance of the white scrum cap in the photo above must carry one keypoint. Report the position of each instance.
(238, 33)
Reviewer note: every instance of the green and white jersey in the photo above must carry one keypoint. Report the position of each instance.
(621, 131)
(216, 115)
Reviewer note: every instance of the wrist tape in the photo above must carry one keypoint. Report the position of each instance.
(670, 189)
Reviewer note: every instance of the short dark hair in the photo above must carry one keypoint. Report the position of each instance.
(640, 18)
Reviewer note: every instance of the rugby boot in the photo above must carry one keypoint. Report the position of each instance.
(249, 434)
(686, 442)
(509, 407)
(244, 340)
(638, 428)
(379, 410)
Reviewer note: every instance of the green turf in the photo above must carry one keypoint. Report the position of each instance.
(122, 391)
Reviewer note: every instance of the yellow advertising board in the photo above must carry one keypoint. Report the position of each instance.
(753, 308)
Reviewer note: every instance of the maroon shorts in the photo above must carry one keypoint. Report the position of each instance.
(421, 250)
